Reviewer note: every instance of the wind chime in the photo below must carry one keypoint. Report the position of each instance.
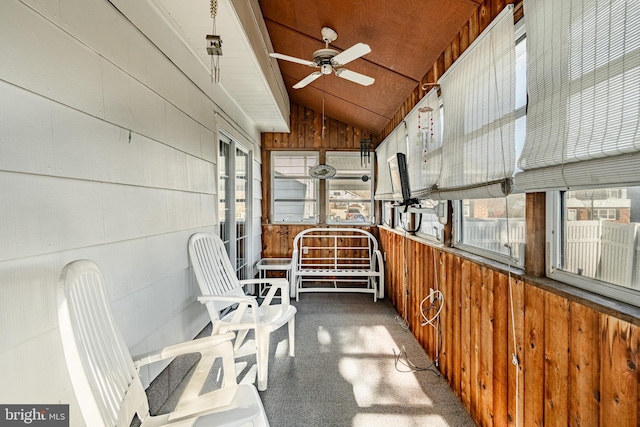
(425, 131)
(214, 45)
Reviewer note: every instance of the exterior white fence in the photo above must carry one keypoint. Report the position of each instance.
(491, 234)
(603, 250)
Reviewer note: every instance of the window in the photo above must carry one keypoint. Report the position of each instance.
(401, 219)
(495, 226)
(295, 194)
(581, 144)
(233, 206)
(387, 214)
(596, 241)
(430, 225)
(610, 214)
(350, 191)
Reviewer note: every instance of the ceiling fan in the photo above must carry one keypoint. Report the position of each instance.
(328, 60)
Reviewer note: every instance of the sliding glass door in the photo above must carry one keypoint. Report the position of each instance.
(235, 203)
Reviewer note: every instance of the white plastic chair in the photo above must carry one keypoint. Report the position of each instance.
(221, 289)
(105, 378)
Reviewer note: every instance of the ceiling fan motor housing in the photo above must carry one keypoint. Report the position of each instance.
(323, 58)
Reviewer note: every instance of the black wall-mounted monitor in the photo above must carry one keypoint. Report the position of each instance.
(400, 178)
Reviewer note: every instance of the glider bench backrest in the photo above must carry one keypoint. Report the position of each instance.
(337, 260)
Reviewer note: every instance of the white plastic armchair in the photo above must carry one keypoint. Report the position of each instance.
(221, 289)
(105, 377)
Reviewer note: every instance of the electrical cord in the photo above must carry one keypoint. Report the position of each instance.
(402, 359)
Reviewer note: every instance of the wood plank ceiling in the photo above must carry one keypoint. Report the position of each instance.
(406, 37)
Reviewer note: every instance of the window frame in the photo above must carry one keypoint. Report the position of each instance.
(554, 241)
(434, 238)
(458, 230)
(328, 220)
(272, 179)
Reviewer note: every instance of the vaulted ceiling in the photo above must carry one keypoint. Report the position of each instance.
(406, 37)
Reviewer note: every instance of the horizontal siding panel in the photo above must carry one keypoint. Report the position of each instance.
(162, 166)
(209, 209)
(25, 148)
(182, 131)
(116, 87)
(42, 214)
(96, 24)
(78, 86)
(208, 144)
(133, 212)
(68, 143)
(183, 210)
(50, 382)
(149, 112)
(92, 149)
(201, 175)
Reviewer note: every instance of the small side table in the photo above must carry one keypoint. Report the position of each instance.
(272, 264)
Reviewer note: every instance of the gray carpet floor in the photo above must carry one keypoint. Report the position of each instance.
(345, 372)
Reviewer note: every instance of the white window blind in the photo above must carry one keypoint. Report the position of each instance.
(584, 94)
(392, 144)
(425, 145)
(478, 96)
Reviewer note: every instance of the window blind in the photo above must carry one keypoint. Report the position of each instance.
(478, 96)
(425, 145)
(583, 71)
(392, 144)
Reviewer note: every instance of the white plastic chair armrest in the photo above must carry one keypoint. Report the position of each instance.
(279, 282)
(276, 283)
(199, 345)
(244, 303)
(206, 298)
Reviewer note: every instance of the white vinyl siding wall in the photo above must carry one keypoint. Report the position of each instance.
(107, 151)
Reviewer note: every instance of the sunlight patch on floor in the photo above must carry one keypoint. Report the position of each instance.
(367, 339)
(282, 349)
(376, 381)
(324, 339)
(369, 366)
(386, 420)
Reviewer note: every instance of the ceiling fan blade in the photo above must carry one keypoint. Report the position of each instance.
(293, 59)
(354, 52)
(311, 77)
(355, 77)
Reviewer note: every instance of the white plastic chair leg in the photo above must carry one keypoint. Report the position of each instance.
(292, 337)
(262, 358)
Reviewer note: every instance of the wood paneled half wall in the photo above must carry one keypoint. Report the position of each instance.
(575, 366)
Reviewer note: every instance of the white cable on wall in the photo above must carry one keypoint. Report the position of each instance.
(403, 321)
(514, 355)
